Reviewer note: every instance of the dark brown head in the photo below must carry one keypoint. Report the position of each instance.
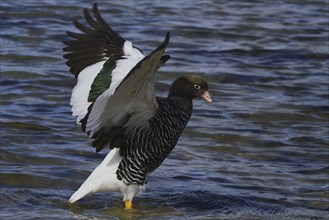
(190, 86)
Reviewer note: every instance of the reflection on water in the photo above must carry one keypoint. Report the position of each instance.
(259, 151)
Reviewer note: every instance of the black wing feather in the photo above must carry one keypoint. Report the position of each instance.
(99, 18)
(98, 42)
(75, 35)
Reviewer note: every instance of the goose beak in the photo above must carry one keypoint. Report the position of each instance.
(206, 97)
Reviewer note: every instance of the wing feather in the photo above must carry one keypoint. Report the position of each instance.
(80, 93)
(98, 42)
(96, 54)
(131, 104)
(115, 87)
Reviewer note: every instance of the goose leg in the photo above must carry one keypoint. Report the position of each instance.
(128, 204)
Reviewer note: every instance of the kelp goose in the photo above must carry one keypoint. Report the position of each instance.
(115, 103)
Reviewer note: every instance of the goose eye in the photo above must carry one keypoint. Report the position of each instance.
(197, 86)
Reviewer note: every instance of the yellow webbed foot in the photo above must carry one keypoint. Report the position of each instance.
(128, 204)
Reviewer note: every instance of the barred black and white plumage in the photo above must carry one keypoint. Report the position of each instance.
(153, 144)
(115, 103)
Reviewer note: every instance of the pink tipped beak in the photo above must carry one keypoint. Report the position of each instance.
(207, 97)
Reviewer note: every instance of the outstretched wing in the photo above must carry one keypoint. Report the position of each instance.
(99, 58)
(132, 104)
(115, 88)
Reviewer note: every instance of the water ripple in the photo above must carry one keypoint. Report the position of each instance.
(260, 151)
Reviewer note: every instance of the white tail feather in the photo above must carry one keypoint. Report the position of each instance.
(103, 178)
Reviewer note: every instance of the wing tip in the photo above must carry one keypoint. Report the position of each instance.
(165, 58)
(164, 44)
(167, 36)
(166, 41)
(95, 6)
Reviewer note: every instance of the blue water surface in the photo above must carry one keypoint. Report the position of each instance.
(259, 151)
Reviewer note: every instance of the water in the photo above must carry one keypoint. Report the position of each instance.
(260, 151)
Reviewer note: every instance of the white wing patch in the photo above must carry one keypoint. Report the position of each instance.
(123, 66)
(80, 93)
